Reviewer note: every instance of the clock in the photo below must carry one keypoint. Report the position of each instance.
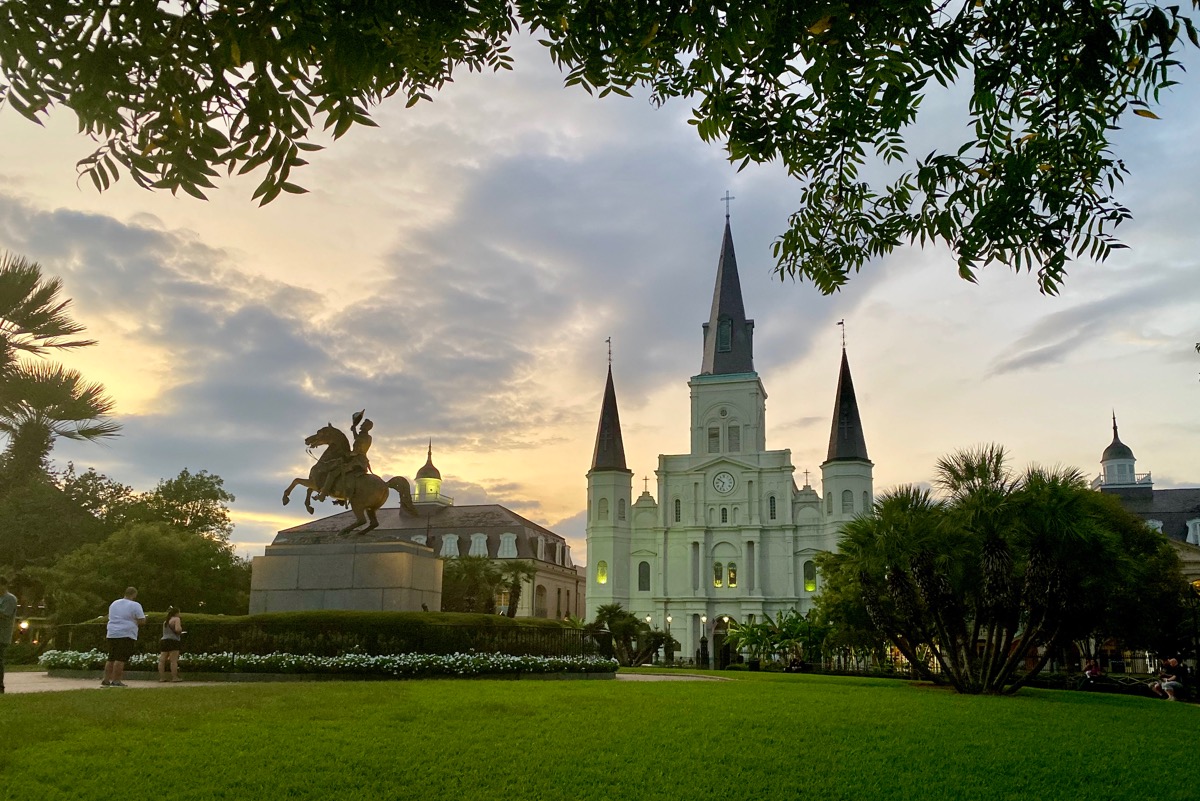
(724, 482)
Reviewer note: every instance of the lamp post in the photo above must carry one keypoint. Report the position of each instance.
(704, 641)
(669, 646)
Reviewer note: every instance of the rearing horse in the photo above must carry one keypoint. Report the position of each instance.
(364, 493)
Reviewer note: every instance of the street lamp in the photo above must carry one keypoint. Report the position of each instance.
(704, 641)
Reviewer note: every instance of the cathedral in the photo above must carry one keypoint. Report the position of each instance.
(730, 536)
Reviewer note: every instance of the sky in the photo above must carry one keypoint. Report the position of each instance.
(457, 270)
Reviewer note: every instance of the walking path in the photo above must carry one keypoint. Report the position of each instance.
(42, 683)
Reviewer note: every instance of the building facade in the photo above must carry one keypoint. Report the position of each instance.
(1175, 512)
(441, 530)
(730, 536)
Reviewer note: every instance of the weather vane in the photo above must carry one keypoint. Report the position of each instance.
(842, 323)
(609, 341)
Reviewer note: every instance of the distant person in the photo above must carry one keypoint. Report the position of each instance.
(1172, 679)
(1092, 671)
(168, 645)
(125, 617)
(8, 615)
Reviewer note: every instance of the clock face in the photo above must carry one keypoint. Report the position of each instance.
(724, 482)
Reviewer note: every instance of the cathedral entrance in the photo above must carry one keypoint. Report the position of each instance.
(722, 654)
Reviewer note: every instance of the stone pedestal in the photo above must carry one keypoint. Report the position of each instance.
(366, 576)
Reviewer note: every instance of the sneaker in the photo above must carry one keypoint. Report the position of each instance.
(117, 684)
(106, 683)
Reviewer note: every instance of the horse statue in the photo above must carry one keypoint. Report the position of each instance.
(363, 492)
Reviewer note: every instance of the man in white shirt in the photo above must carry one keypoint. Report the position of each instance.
(125, 617)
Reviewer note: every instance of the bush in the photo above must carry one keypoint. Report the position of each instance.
(330, 633)
(397, 665)
(23, 653)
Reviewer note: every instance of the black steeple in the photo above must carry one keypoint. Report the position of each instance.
(728, 335)
(610, 450)
(846, 440)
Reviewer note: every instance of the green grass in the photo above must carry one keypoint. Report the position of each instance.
(757, 737)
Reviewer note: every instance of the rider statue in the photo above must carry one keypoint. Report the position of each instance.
(354, 462)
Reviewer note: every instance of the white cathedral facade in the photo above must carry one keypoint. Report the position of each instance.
(730, 536)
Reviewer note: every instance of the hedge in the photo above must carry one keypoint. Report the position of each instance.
(330, 633)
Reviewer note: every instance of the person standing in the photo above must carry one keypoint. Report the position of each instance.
(168, 646)
(125, 617)
(8, 615)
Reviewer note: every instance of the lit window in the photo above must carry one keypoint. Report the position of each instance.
(735, 439)
(714, 439)
(602, 572)
(810, 576)
(847, 502)
(502, 599)
(724, 515)
(678, 510)
(771, 504)
(643, 577)
(732, 574)
(718, 574)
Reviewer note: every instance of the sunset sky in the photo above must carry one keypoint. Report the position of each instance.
(457, 270)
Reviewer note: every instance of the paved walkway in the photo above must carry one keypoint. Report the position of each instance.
(42, 683)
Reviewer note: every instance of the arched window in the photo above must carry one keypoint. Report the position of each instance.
(602, 509)
(502, 599)
(620, 508)
(602, 572)
(866, 502)
(539, 601)
(829, 502)
(718, 574)
(478, 545)
(449, 546)
(847, 502)
(732, 574)
(724, 514)
(771, 504)
(508, 546)
(724, 335)
(643, 577)
(810, 576)
(678, 511)
(734, 437)
(714, 439)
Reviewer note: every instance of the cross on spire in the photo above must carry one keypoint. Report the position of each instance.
(728, 197)
(806, 478)
(609, 341)
(842, 323)
(646, 483)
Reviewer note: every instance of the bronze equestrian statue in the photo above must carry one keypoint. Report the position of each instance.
(344, 473)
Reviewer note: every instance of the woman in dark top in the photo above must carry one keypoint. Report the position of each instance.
(168, 646)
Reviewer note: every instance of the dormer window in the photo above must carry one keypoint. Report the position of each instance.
(724, 335)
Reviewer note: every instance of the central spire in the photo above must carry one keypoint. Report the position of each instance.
(728, 335)
(846, 440)
(610, 448)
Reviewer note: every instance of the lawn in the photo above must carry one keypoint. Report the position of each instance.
(756, 737)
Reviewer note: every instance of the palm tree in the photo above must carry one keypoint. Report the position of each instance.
(469, 584)
(32, 317)
(514, 574)
(40, 401)
(48, 401)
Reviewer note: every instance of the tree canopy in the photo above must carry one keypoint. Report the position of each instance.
(1006, 568)
(175, 93)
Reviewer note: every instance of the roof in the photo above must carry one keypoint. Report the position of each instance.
(846, 439)
(728, 335)
(1118, 449)
(429, 471)
(1172, 507)
(610, 448)
(434, 524)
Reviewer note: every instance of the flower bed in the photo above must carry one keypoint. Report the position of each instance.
(394, 665)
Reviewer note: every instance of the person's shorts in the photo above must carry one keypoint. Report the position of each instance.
(166, 646)
(121, 648)
(1173, 686)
